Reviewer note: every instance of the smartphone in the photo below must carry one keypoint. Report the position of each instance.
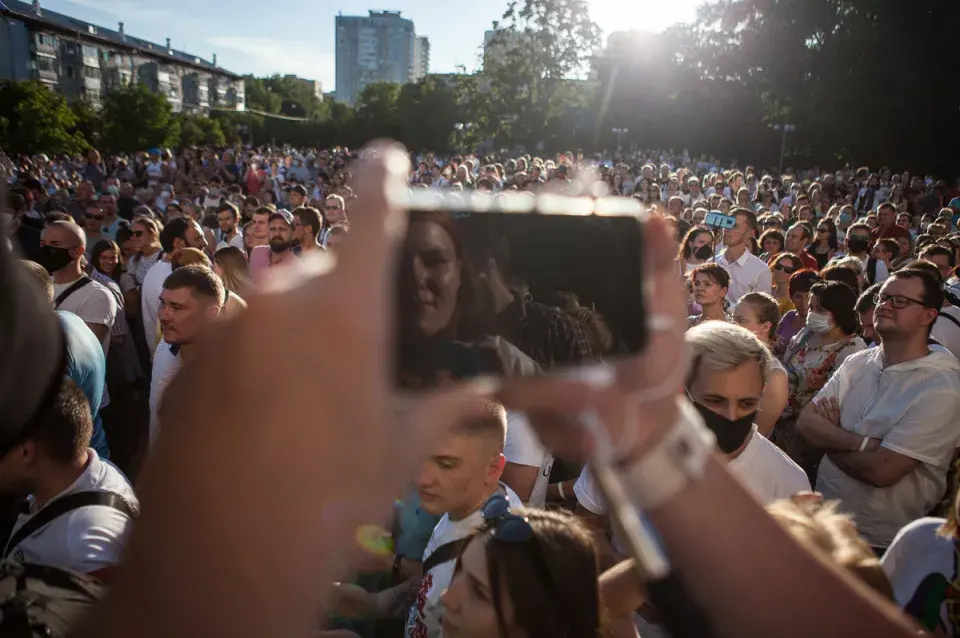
(516, 285)
(716, 219)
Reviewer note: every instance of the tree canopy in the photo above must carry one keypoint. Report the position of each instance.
(134, 118)
(34, 119)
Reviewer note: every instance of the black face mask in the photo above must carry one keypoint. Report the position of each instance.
(704, 252)
(730, 434)
(54, 258)
(857, 245)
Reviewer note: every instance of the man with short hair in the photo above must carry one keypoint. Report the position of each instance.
(178, 234)
(111, 222)
(796, 241)
(53, 463)
(63, 245)
(93, 217)
(83, 196)
(887, 417)
(748, 273)
(461, 474)
(191, 299)
(858, 245)
(279, 249)
(297, 196)
(886, 250)
(307, 228)
(886, 228)
(228, 218)
(261, 225)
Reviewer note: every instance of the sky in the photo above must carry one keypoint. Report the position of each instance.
(297, 36)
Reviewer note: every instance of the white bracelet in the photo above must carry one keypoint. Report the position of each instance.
(864, 442)
(563, 497)
(678, 459)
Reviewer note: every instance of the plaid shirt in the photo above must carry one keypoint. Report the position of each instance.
(546, 334)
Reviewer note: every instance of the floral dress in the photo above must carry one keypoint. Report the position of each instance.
(808, 370)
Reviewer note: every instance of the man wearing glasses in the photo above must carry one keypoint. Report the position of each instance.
(887, 417)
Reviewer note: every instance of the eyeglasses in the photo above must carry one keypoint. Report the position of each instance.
(96, 217)
(506, 526)
(786, 269)
(897, 301)
(823, 230)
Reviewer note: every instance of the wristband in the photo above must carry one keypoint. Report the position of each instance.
(863, 443)
(678, 459)
(563, 496)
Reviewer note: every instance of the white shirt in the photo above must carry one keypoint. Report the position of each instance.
(139, 266)
(94, 303)
(236, 241)
(424, 616)
(165, 368)
(150, 300)
(767, 471)
(523, 448)
(747, 274)
(913, 407)
(88, 538)
(946, 331)
(919, 559)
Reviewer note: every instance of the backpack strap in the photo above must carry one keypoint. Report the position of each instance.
(77, 285)
(64, 505)
(955, 321)
(444, 553)
(872, 270)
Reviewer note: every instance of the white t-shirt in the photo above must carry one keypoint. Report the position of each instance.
(523, 448)
(236, 241)
(165, 368)
(767, 471)
(139, 266)
(947, 331)
(150, 299)
(921, 567)
(424, 617)
(89, 538)
(94, 303)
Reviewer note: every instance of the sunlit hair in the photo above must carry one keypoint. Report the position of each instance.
(720, 346)
(233, 264)
(765, 308)
(819, 527)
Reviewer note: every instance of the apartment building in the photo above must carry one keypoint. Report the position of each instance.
(80, 60)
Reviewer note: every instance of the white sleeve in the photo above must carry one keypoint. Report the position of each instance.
(100, 308)
(927, 430)
(765, 282)
(150, 305)
(882, 272)
(522, 445)
(588, 493)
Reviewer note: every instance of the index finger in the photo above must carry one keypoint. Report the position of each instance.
(378, 221)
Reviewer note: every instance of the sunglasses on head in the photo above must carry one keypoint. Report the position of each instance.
(506, 526)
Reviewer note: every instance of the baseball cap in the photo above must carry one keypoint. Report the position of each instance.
(283, 214)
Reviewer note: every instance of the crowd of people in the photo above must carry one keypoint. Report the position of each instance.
(822, 330)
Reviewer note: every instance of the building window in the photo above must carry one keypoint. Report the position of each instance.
(89, 52)
(70, 48)
(69, 71)
(46, 64)
(46, 40)
(92, 72)
(91, 95)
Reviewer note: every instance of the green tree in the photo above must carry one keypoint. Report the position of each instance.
(89, 123)
(376, 112)
(426, 113)
(134, 119)
(539, 46)
(34, 119)
(200, 131)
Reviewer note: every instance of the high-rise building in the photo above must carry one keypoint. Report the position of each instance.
(380, 47)
(421, 58)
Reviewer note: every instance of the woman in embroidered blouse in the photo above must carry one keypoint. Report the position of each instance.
(829, 337)
(710, 285)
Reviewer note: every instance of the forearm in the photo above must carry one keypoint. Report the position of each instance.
(833, 602)
(821, 433)
(620, 589)
(554, 495)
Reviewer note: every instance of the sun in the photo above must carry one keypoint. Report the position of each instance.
(641, 15)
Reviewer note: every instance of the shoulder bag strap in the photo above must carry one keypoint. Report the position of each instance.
(955, 321)
(444, 553)
(64, 505)
(77, 285)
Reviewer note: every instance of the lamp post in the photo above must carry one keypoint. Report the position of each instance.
(620, 132)
(783, 128)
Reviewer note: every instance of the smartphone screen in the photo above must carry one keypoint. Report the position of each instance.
(487, 293)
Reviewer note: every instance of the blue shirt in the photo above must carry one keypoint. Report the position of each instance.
(87, 367)
(416, 526)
